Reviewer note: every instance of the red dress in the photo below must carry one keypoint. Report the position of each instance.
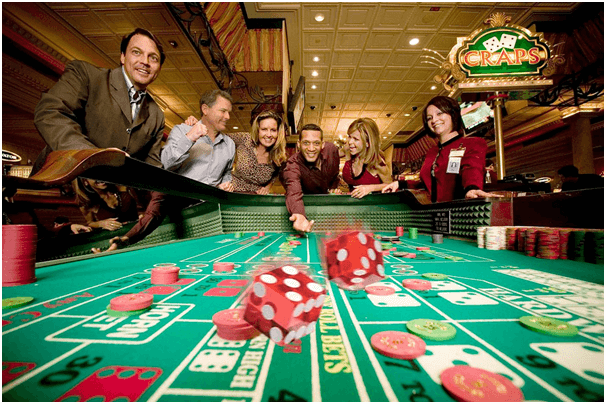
(365, 178)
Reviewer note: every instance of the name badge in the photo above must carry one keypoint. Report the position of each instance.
(457, 153)
(454, 165)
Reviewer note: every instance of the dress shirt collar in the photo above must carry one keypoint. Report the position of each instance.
(131, 89)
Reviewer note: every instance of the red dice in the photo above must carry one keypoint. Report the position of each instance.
(284, 304)
(354, 260)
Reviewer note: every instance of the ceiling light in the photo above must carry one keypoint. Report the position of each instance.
(235, 127)
(389, 133)
(384, 137)
(406, 114)
(313, 86)
(314, 73)
(414, 41)
(316, 59)
(319, 17)
(433, 87)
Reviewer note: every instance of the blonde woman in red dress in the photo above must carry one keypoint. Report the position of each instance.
(366, 171)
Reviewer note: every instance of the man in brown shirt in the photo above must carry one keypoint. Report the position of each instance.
(314, 170)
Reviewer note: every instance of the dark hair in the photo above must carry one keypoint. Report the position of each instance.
(210, 97)
(311, 126)
(140, 31)
(448, 106)
(488, 163)
(569, 171)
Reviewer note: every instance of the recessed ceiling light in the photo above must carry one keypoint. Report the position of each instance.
(314, 73)
(406, 114)
(414, 41)
(319, 17)
(313, 86)
(316, 59)
(384, 137)
(389, 133)
(235, 127)
(433, 87)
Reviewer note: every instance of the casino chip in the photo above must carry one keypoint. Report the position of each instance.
(416, 284)
(15, 302)
(223, 266)
(431, 329)
(398, 345)
(472, 384)
(232, 326)
(379, 290)
(116, 313)
(423, 248)
(130, 302)
(164, 275)
(435, 277)
(400, 254)
(550, 326)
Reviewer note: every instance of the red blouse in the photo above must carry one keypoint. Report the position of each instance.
(365, 177)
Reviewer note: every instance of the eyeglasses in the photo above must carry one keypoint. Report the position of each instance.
(306, 143)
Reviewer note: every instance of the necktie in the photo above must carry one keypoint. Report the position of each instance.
(135, 101)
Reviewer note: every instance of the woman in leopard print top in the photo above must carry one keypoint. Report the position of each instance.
(259, 155)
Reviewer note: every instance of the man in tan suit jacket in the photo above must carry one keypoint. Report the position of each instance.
(93, 107)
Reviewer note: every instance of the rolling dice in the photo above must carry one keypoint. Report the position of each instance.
(284, 304)
(354, 260)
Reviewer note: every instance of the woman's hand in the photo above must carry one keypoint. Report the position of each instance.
(393, 187)
(264, 190)
(478, 193)
(227, 186)
(360, 191)
(109, 224)
(335, 191)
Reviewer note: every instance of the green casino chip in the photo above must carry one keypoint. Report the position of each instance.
(15, 302)
(550, 326)
(434, 276)
(431, 329)
(115, 313)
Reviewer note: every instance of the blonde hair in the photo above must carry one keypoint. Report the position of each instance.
(277, 153)
(371, 154)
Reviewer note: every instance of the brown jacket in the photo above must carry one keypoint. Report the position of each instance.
(89, 108)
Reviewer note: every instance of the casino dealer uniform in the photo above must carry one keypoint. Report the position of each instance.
(452, 169)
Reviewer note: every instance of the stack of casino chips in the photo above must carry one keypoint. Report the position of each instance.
(530, 243)
(548, 244)
(19, 254)
(481, 236)
(495, 238)
(584, 245)
(511, 238)
(521, 236)
(564, 237)
(132, 304)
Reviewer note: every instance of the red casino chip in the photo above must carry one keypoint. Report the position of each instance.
(164, 275)
(398, 345)
(232, 326)
(130, 302)
(223, 266)
(472, 384)
(416, 284)
(423, 248)
(379, 290)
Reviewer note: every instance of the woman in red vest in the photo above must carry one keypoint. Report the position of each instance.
(454, 169)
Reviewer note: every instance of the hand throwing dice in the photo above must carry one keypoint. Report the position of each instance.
(354, 260)
(284, 304)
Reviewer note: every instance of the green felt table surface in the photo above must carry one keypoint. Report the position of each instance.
(63, 346)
